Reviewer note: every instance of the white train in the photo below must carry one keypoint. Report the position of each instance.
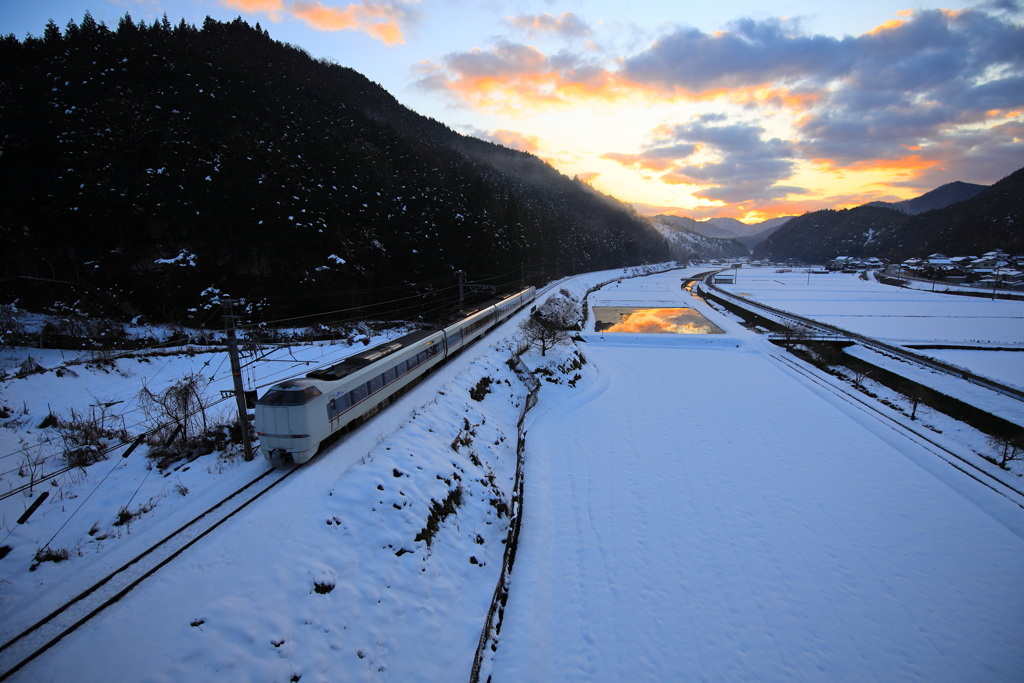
(295, 416)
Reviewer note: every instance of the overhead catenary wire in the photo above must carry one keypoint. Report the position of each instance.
(251, 375)
(342, 310)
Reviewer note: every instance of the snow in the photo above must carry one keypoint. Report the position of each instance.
(1002, 406)
(184, 258)
(898, 315)
(1003, 366)
(694, 508)
(675, 523)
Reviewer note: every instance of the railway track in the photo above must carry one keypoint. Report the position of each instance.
(977, 471)
(830, 331)
(33, 641)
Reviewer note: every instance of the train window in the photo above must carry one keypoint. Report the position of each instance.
(358, 394)
(421, 357)
(389, 376)
(374, 384)
(344, 402)
(276, 397)
(400, 369)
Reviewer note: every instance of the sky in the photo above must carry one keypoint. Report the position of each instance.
(693, 109)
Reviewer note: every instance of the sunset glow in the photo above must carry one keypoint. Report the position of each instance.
(703, 111)
(614, 319)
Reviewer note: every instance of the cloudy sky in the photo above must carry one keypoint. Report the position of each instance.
(702, 109)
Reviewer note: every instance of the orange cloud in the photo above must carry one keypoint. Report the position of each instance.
(512, 78)
(380, 21)
(271, 7)
(515, 140)
(549, 89)
(795, 207)
(639, 161)
(587, 177)
(891, 24)
(913, 164)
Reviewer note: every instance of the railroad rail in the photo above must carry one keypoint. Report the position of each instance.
(984, 473)
(833, 333)
(47, 631)
(34, 640)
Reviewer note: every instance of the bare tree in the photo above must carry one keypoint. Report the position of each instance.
(916, 394)
(11, 327)
(541, 334)
(183, 404)
(31, 464)
(794, 333)
(1008, 447)
(549, 326)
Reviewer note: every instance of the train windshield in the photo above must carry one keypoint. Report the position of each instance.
(276, 397)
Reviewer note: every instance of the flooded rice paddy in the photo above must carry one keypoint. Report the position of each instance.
(652, 320)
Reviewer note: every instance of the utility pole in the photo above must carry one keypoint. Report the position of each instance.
(236, 375)
(462, 279)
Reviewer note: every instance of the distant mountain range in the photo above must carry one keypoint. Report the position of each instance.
(686, 244)
(747, 234)
(988, 218)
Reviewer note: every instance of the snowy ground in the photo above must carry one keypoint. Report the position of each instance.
(698, 513)
(243, 606)
(896, 315)
(1006, 367)
(693, 510)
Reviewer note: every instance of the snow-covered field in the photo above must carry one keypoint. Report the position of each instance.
(343, 519)
(1004, 366)
(694, 510)
(698, 513)
(896, 315)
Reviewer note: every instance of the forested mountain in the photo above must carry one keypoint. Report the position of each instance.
(939, 198)
(822, 235)
(991, 219)
(686, 244)
(162, 163)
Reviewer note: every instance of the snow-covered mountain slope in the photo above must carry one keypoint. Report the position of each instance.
(687, 244)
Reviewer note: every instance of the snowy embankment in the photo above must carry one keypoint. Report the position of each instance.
(1007, 368)
(244, 604)
(692, 510)
(697, 512)
(1006, 407)
(895, 315)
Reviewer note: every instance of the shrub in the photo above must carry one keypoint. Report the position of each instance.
(85, 438)
(438, 513)
(323, 587)
(48, 554)
(482, 388)
(1008, 447)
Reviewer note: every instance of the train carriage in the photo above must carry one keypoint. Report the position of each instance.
(294, 417)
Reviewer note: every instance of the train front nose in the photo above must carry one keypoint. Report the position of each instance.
(282, 428)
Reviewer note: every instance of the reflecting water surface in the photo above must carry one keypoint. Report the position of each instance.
(652, 320)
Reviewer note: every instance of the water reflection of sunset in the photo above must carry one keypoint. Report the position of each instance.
(652, 320)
